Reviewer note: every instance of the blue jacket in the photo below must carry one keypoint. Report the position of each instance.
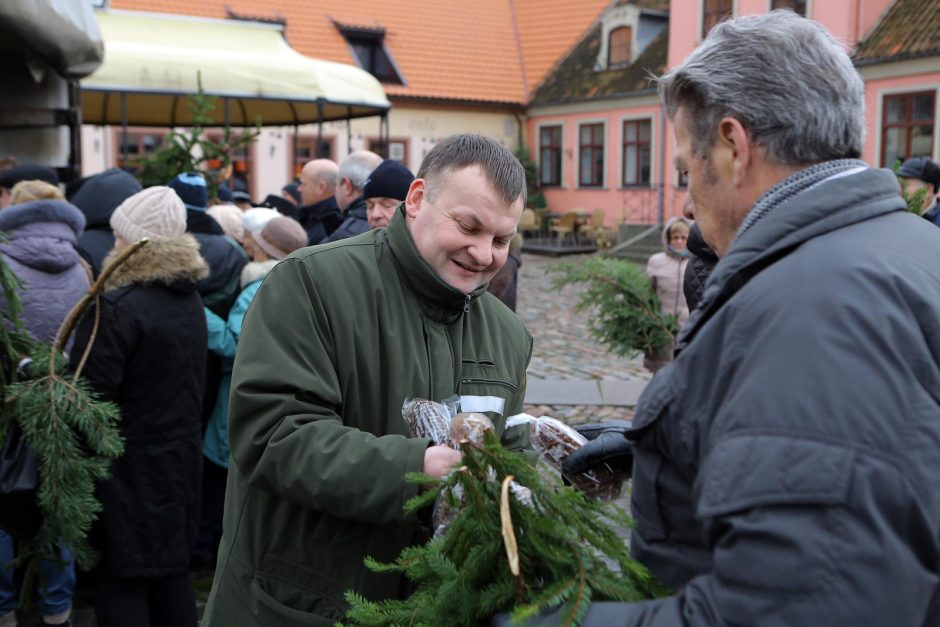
(223, 340)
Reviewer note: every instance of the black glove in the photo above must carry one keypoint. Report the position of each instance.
(607, 445)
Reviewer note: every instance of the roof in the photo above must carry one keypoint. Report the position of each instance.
(576, 79)
(492, 51)
(910, 29)
(152, 59)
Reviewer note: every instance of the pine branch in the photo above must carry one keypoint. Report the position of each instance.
(463, 577)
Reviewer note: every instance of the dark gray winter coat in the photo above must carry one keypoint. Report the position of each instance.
(355, 221)
(40, 249)
(787, 463)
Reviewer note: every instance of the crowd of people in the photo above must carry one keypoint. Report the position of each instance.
(783, 464)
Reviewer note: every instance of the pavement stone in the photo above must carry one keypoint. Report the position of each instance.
(571, 376)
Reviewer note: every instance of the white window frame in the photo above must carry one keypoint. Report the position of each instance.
(809, 8)
(701, 17)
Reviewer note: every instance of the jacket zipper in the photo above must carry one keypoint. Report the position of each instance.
(466, 304)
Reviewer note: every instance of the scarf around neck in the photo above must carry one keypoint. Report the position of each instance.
(796, 183)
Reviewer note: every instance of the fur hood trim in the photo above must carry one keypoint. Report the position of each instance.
(256, 270)
(61, 211)
(165, 261)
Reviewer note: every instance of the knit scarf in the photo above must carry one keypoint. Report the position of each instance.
(796, 183)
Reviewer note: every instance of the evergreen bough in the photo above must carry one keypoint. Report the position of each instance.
(564, 543)
(628, 317)
(73, 434)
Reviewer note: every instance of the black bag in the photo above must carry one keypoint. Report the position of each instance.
(19, 481)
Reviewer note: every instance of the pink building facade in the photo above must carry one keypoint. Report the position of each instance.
(601, 140)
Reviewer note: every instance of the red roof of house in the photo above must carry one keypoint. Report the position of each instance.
(485, 50)
(910, 29)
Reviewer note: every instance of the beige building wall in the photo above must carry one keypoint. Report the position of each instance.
(415, 130)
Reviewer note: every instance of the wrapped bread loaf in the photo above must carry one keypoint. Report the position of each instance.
(555, 441)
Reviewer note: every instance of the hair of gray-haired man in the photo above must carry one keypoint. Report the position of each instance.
(789, 83)
(358, 166)
(500, 167)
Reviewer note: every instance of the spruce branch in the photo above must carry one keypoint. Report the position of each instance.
(564, 544)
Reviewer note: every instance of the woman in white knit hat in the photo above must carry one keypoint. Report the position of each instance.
(149, 358)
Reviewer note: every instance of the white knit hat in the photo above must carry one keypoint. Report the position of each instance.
(156, 212)
(255, 218)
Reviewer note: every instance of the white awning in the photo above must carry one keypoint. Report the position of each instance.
(153, 61)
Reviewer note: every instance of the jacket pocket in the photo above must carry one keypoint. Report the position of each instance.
(270, 610)
(651, 492)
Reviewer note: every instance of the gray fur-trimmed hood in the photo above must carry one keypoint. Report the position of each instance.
(60, 211)
(168, 262)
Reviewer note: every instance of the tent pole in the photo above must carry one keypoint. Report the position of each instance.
(124, 127)
(319, 128)
(293, 157)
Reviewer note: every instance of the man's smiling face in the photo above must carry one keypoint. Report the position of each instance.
(461, 226)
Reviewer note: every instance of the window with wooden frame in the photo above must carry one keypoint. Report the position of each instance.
(306, 150)
(797, 6)
(637, 152)
(907, 126)
(713, 11)
(550, 156)
(619, 42)
(138, 144)
(591, 155)
(397, 148)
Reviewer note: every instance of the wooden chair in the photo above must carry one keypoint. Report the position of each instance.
(529, 222)
(596, 230)
(565, 225)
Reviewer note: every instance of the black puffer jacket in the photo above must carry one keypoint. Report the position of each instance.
(97, 198)
(355, 221)
(149, 357)
(701, 262)
(319, 219)
(225, 258)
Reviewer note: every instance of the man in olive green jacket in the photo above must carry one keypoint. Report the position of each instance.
(336, 339)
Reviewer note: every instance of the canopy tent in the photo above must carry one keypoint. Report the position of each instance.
(153, 61)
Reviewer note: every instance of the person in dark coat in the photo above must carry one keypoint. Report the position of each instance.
(149, 357)
(786, 462)
(503, 286)
(353, 173)
(318, 212)
(98, 197)
(385, 190)
(224, 256)
(922, 173)
(702, 260)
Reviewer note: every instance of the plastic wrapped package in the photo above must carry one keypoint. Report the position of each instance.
(555, 441)
(428, 419)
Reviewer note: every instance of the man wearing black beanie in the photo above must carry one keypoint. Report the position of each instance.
(384, 191)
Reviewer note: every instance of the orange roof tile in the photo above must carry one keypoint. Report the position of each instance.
(549, 29)
(472, 51)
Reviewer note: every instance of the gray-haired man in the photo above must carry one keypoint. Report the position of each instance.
(353, 173)
(787, 463)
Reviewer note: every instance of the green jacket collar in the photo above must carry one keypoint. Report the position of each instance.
(440, 301)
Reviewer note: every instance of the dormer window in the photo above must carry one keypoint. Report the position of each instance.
(618, 47)
(368, 48)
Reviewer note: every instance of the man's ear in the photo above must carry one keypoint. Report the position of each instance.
(736, 144)
(416, 193)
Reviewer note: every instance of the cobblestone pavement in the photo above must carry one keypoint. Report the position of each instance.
(563, 348)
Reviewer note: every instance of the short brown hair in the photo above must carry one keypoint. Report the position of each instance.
(500, 167)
